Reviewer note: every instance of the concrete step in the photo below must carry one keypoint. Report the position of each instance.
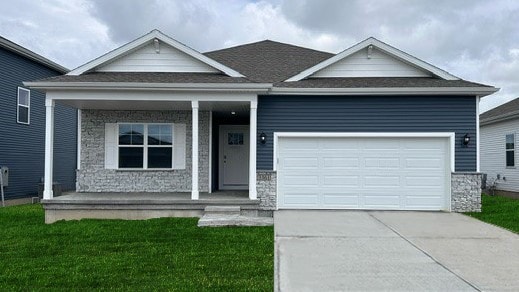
(222, 210)
(220, 220)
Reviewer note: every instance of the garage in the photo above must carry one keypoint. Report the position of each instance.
(386, 171)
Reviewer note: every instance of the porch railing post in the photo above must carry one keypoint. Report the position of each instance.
(194, 164)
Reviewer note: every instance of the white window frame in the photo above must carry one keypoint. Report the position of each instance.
(509, 150)
(28, 106)
(145, 146)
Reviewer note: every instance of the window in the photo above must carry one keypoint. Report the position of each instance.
(510, 150)
(146, 146)
(24, 105)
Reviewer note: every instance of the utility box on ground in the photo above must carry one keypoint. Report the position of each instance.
(4, 172)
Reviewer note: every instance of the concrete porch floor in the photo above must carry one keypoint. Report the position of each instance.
(138, 206)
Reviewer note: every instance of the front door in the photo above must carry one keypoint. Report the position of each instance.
(234, 157)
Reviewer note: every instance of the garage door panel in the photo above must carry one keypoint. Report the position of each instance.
(301, 180)
(383, 200)
(341, 200)
(340, 162)
(423, 163)
(382, 162)
(300, 162)
(340, 180)
(381, 181)
(301, 199)
(364, 173)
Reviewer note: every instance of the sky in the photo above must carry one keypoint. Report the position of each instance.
(476, 40)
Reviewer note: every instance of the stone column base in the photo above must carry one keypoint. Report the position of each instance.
(466, 192)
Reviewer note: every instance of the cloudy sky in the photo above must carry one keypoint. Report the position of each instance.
(472, 39)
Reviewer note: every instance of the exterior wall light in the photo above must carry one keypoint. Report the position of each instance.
(263, 138)
(466, 139)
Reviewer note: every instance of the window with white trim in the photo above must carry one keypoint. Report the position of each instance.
(145, 146)
(510, 150)
(23, 111)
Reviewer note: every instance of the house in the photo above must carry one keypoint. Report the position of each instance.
(166, 130)
(499, 128)
(22, 125)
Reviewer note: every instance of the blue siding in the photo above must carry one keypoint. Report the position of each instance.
(22, 146)
(369, 114)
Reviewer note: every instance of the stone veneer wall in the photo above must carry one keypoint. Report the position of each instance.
(466, 192)
(266, 189)
(93, 177)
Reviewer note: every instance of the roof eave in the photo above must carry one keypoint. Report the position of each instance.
(251, 87)
(500, 118)
(477, 91)
(8, 45)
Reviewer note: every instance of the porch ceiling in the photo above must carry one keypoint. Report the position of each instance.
(156, 105)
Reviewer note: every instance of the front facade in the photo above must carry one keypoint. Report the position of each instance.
(22, 120)
(368, 128)
(499, 130)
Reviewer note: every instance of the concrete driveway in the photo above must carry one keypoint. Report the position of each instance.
(373, 250)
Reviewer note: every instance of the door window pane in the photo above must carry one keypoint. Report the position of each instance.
(235, 138)
(159, 157)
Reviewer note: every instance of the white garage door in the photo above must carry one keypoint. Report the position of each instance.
(363, 173)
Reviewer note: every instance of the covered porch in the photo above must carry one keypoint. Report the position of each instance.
(136, 200)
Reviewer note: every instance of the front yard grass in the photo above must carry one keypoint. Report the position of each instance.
(499, 211)
(156, 254)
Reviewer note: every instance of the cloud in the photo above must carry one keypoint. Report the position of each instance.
(476, 40)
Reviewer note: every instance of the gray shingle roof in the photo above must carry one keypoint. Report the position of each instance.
(377, 82)
(148, 77)
(268, 61)
(501, 112)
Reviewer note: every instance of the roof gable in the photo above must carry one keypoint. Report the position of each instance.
(268, 61)
(372, 58)
(154, 52)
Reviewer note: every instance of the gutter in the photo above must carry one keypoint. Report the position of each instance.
(252, 87)
(480, 91)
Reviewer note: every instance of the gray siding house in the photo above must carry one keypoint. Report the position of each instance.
(22, 124)
(499, 130)
(167, 131)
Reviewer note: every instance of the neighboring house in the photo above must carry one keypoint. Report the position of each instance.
(369, 128)
(499, 130)
(22, 124)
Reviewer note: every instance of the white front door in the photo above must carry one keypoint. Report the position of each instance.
(234, 157)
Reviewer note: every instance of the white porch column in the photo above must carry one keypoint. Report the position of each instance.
(49, 148)
(194, 156)
(252, 149)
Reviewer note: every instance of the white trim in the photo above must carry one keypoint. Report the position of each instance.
(392, 51)
(252, 149)
(482, 91)
(450, 135)
(49, 149)
(18, 105)
(478, 155)
(194, 147)
(150, 37)
(210, 152)
(78, 148)
(253, 87)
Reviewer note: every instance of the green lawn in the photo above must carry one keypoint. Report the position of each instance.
(499, 211)
(157, 254)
